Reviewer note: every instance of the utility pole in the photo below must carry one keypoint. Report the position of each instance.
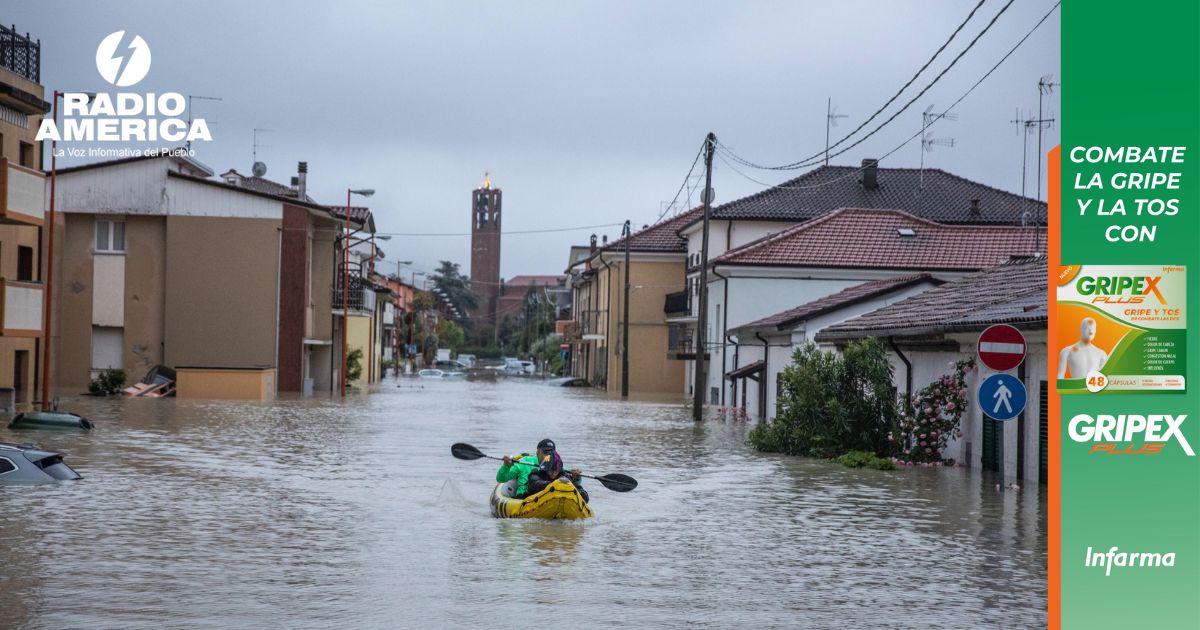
(831, 117)
(627, 233)
(701, 336)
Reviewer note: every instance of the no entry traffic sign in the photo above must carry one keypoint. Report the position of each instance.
(1001, 347)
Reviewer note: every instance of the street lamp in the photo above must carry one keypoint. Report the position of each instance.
(365, 192)
(49, 292)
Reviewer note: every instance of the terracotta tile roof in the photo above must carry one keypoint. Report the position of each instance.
(871, 238)
(357, 213)
(262, 184)
(1011, 293)
(846, 297)
(524, 281)
(660, 237)
(938, 196)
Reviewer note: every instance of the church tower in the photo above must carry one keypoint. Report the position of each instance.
(485, 248)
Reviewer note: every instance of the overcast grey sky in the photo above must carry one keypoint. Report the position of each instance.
(584, 112)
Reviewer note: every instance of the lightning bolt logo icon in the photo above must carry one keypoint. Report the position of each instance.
(123, 65)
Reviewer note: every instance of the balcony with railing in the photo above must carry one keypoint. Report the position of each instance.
(22, 194)
(20, 308)
(351, 292)
(681, 343)
(21, 54)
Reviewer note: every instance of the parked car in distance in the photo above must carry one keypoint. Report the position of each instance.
(468, 360)
(516, 366)
(450, 365)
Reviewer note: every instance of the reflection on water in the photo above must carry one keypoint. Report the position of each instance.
(316, 513)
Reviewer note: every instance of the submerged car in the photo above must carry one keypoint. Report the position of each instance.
(25, 463)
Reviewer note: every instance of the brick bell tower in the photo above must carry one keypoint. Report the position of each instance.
(485, 248)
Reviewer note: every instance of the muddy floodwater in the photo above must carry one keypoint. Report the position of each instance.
(317, 513)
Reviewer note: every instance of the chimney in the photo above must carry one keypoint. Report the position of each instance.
(870, 174)
(605, 237)
(592, 245)
(302, 180)
(974, 209)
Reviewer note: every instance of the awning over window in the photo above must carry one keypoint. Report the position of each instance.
(747, 371)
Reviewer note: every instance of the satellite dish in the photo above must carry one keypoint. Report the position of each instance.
(259, 169)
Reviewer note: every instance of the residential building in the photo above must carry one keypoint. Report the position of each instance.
(159, 263)
(514, 291)
(656, 273)
(929, 194)
(835, 252)
(22, 212)
(928, 332)
(764, 347)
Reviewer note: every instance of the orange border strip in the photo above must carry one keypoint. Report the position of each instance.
(1054, 430)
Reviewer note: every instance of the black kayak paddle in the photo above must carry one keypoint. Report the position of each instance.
(615, 482)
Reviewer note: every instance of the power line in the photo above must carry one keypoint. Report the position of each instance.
(809, 161)
(686, 179)
(960, 99)
(506, 233)
(905, 86)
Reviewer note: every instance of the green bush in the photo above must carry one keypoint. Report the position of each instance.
(107, 383)
(354, 365)
(831, 403)
(863, 459)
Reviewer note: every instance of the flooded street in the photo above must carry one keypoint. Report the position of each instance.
(315, 513)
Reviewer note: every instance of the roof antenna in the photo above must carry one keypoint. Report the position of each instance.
(927, 139)
(1046, 85)
(203, 98)
(831, 118)
(259, 169)
(1030, 124)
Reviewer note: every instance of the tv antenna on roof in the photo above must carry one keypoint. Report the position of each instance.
(259, 166)
(831, 118)
(1030, 124)
(928, 117)
(203, 98)
(1046, 86)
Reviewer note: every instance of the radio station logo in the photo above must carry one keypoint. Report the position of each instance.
(126, 65)
(123, 61)
(1129, 434)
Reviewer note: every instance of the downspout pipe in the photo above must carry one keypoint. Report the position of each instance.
(724, 327)
(729, 339)
(907, 372)
(762, 403)
(607, 310)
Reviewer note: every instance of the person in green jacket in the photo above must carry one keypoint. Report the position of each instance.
(518, 469)
(546, 464)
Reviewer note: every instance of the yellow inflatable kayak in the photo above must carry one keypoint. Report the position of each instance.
(560, 499)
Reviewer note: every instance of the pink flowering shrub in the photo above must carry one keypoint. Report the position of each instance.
(924, 430)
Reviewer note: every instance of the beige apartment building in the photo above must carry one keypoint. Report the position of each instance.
(22, 208)
(159, 263)
(657, 255)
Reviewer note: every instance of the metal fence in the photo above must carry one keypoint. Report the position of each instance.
(21, 54)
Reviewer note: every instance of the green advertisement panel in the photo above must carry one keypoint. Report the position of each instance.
(1129, 552)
